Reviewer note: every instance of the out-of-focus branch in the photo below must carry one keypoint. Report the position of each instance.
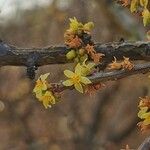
(11, 55)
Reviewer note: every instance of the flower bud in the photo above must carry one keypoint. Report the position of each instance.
(71, 54)
(88, 26)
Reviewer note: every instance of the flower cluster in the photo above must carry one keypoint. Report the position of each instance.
(42, 93)
(144, 113)
(78, 78)
(78, 39)
(139, 6)
(125, 64)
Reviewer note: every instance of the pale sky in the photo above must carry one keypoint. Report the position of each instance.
(8, 7)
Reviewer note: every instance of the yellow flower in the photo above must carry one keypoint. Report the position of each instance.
(41, 85)
(48, 99)
(144, 3)
(146, 17)
(88, 26)
(86, 68)
(134, 5)
(75, 25)
(76, 79)
(144, 114)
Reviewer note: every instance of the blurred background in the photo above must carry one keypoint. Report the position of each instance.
(105, 121)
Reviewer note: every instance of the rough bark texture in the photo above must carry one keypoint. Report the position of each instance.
(11, 55)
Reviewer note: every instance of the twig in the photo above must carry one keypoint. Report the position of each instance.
(111, 76)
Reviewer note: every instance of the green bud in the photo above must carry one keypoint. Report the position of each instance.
(71, 54)
(88, 26)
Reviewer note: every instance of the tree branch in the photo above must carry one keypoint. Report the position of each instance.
(11, 55)
(112, 75)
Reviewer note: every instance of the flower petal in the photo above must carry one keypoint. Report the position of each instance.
(68, 83)
(84, 64)
(46, 103)
(44, 76)
(78, 87)
(68, 73)
(52, 100)
(85, 80)
(78, 69)
(39, 95)
(146, 121)
(90, 65)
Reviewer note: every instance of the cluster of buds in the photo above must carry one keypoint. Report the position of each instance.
(78, 40)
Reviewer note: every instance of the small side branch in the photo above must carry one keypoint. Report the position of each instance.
(111, 76)
(119, 74)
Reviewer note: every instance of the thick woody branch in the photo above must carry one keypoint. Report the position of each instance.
(11, 55)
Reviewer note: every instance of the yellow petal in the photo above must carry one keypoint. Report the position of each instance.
(90, 65)
(146, 121)
(78, 87)
(144, 3)
(134, 5)
(78, 69)
(68, 82)
(44, 76)
(85, 80)
(143, 115)
(84, 62)
(68, 73)
(53, 100)
(39, 95)
(46, 103)
(146, 17)
(143, 112)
